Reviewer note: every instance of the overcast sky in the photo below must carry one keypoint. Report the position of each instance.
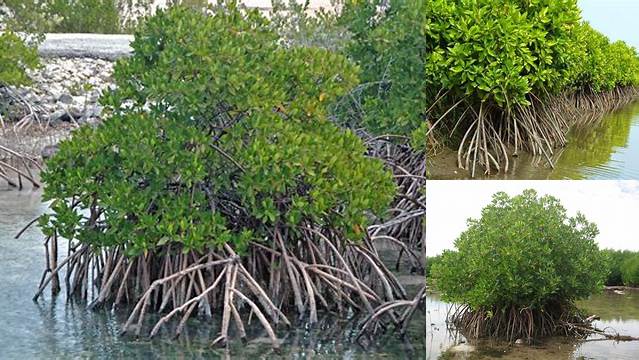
(616, 18)
(612, 205)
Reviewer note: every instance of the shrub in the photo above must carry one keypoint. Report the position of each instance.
(602, 65)
(523, 251)
(16, 58)
(216, 134)
(498, 50)
(630, 270)
(526, 255)
(388, 44)
(85, 16)
(430, 262)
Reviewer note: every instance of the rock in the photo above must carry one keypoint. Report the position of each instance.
(65, 98)
(75, 111)
(49, 151)
(59, 115)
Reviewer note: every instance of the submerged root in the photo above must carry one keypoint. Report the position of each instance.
(269, 281)
(16, 167)
(514, 323)
(493, 135)
(384, 315)
(404, 227)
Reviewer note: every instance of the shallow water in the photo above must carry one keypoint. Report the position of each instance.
(607, 151)
(619, 312)
(58, 329)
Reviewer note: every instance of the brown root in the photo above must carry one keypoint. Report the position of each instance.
(493, 135)
(320, 272)
(16, 167)
(404, 227)
(512, 323)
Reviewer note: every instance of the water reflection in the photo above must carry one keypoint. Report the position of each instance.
(618, 312)
(609, 150)
(52, 329)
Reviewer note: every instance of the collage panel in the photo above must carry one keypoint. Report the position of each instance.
(532, 270)
(533, 174)
(212, 179)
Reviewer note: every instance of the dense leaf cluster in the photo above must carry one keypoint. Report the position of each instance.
(623, 268)
(16, 58)
(216, 134)
(499, 50)
(388, 44)
(524, 251)
(603, 65)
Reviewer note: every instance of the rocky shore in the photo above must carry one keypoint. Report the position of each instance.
(63, 90)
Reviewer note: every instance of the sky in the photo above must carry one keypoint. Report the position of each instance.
(612, 205)
(617, 19)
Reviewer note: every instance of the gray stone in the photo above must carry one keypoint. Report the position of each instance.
(65, 98)
(59, 115)
(49, 151)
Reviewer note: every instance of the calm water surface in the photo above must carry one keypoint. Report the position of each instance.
(52, 329)
(607, 151)
(619, 312)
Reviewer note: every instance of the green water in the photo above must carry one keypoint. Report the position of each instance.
(618, 312)
(55, 329)
(606, 151)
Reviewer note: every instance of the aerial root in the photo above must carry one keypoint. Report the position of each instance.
(493, 135)
(384, 315)
(321, 271)
(525, 323)
(14, 167)
(403, 227)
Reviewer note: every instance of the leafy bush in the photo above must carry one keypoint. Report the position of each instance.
(76, 16)
(498, 50)
(388, 44)
(298, 25)
(216, 134)
(602, 65)
(430, 262)
(16, 58)
(85, 16)
(630, 271)
(524, 251)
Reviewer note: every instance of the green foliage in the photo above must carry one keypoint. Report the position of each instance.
(430, 262)
(84, 16)
(630, 271)
(389, 46)
(15, 58)
(299, 25)
(604, 65)
(623, 268)
(524, 251)
(499, 50)
(216, 134)
(75, 16)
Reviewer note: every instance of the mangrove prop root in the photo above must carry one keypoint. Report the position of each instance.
(377, 320)
(404, 223)
(316, 271)
(491, 135)
(512, 323)
(14, 167)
